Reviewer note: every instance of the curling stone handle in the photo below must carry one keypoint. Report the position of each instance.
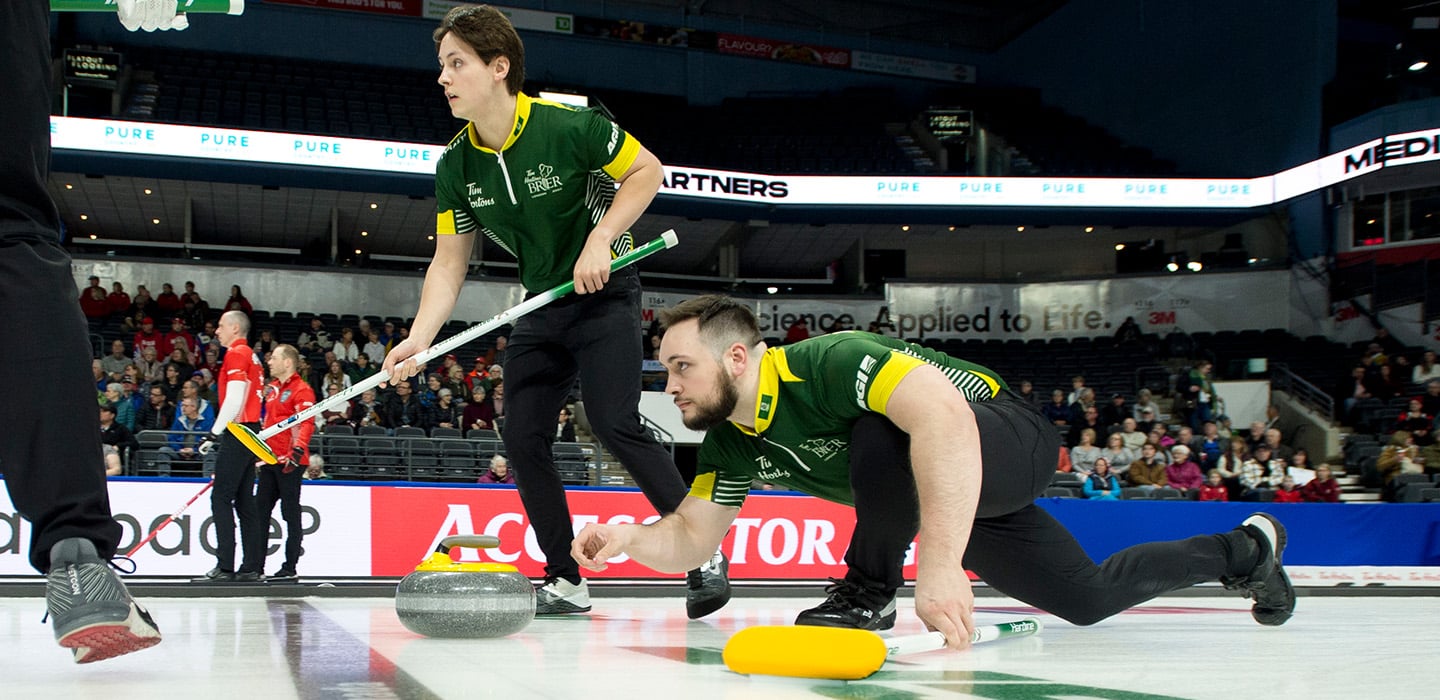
(475, 541)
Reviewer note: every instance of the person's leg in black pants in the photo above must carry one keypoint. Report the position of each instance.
(275, 484)
(50, 441)
(538, 376)
(606, 343)
(234, 496)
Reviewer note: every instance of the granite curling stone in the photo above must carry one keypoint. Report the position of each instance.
(464, 600)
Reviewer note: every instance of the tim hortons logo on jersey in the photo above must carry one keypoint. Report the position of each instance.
(477, 197)
(543, 183)
(768, 471)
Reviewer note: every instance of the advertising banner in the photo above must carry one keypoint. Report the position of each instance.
(1192, 303)
(911, 67)
(776, 50)
(336, 520)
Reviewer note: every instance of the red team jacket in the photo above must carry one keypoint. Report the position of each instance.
(283, 401)
(241, 365)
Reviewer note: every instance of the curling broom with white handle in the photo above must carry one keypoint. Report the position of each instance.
(229, 7)
(256, 443)
(840, 653)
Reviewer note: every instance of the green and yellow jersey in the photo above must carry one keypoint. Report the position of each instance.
(542, 193)
(810, 395)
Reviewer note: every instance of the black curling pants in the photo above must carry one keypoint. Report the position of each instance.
(49, 439)
(232, 497)
(1015, 546)
(596, 337)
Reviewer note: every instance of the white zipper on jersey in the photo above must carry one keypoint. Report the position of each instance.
(794, 456)
(500, 156)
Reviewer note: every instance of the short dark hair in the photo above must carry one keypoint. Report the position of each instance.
(722, 321)
(489, 34)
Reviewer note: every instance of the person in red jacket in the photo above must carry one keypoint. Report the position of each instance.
(1287, 493)
(168, 301)
(1323, 488)
(286, 395)
(118, 300)
(238, 302)
(1214, 487)
(94, 302)
(148, 337)
(234, 492)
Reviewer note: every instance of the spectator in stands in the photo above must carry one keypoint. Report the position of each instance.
(168, 301)
(496, 355)
(388, 337)
(366, 410)
(1159, 435)
(1143, 400)
(1414, 420)
(499, 472)
(178, 338)
(1287, 492)
(181, 361)
(187, 431)
(346, 349)
(1128, 332)
(1185, 436)
(156, 413)
(1028, 394)
(479, 413)
(361, 370)
(336, 377)
(1401, 456)
(1100, 484)
(205, 336)
(444, 413)
(211, 361)
(1260, 474)
(1083, 455)
(564, 426)
(374, 349)
(1385, 385)
(317, 371)
(194, 313)
(316, 340)
(1214, 487)
(119, 398)
(238, 302)
(115, 434)
(1131, 435)
(652, 348)
(797, 332)
(172, 382)
(142, 304)
(115, 363)
(1231, 464)
(1200, 393)
(454, 380)
(1352, 390)
(1085, 402)
(478, 376)
(1090, 420)
(97, 373)
(403, 409)
(149, 366)
(1426, 370)
(1374, 356)
(1389, 344)
(1115, 412)
(1278, 449)
(94, 302)
(339, 413)
(1148, 472)
(1062, 461)
(1299, 462)
(118, 300)
(1077, 383)
(1255, 436)
(1430, 400)
(266, 344)
(1117, 454)
(191, 390)
(1212, 445)
(497, 400)
(1057, 411)
(147, 337)
(1272, 417)
(431, 391)
(1323, 488)
(1183, 474)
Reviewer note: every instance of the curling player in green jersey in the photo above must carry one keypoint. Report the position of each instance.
(918, 442)
(539, 180)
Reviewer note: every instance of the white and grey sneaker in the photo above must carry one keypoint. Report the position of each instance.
(90, 608)
(560, 597)
(708, 587)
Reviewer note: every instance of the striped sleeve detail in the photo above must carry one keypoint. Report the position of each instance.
(451, 221)
(883, 385)
(629, 150)
(721, 488)
(976, 386)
